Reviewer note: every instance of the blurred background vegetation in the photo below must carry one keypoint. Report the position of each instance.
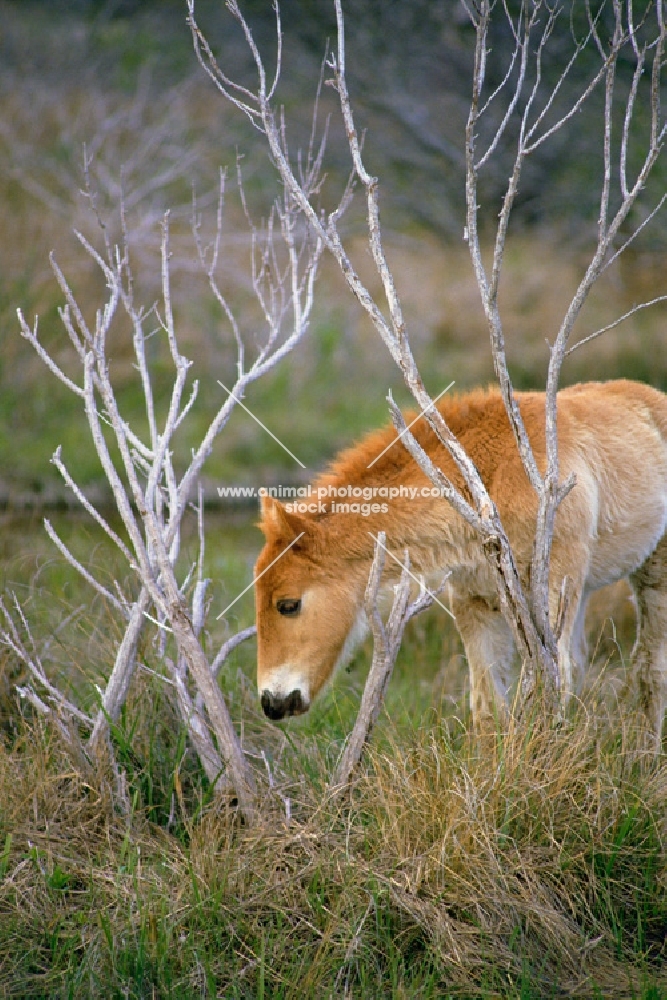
(115, 83)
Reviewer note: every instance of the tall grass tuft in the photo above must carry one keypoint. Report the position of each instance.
(531, 866)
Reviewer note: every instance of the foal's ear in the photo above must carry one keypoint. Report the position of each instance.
(277, 522)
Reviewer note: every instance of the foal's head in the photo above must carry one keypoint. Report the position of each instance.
(307, 600)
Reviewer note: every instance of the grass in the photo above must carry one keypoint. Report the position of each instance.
(534, 870)
(533, 866)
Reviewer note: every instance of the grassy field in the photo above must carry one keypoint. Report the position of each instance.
(533, 866)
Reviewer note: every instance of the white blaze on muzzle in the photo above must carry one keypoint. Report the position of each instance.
(287, 693)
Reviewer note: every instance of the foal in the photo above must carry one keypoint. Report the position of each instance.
(314, 566)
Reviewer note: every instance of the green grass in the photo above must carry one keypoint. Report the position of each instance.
(533, 866)
(407, 889)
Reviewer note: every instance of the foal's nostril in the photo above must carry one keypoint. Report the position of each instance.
(273, 708)
(277, 707)
(294, 703)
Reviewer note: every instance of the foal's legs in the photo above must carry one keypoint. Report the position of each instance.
(568, 571)
(649, 656)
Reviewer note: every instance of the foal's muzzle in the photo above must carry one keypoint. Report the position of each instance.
(277, 706)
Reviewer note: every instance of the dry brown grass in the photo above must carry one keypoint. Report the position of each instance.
(500, 849)
(533, 868)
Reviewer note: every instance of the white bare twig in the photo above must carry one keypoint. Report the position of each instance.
(229, 646)
(10, 637)
(148, 494)
(616, 322)
(88, 577)
(87, 505)
(386, 644)
(31, 336)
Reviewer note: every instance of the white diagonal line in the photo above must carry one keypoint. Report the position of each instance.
(159, 624)
(399, 436)
(415, 578)
(254, 581)
(263, 426)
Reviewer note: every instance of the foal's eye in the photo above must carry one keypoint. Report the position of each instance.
(290, 607)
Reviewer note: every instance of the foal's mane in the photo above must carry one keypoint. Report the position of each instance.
(466, 415)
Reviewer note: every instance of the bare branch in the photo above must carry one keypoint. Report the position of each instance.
(617, 322)
(10, 637)
(228, 88)
(386, 644)
(88, 577)
(31, 337)
(229, 646)
(118, 684)
(87, 505)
